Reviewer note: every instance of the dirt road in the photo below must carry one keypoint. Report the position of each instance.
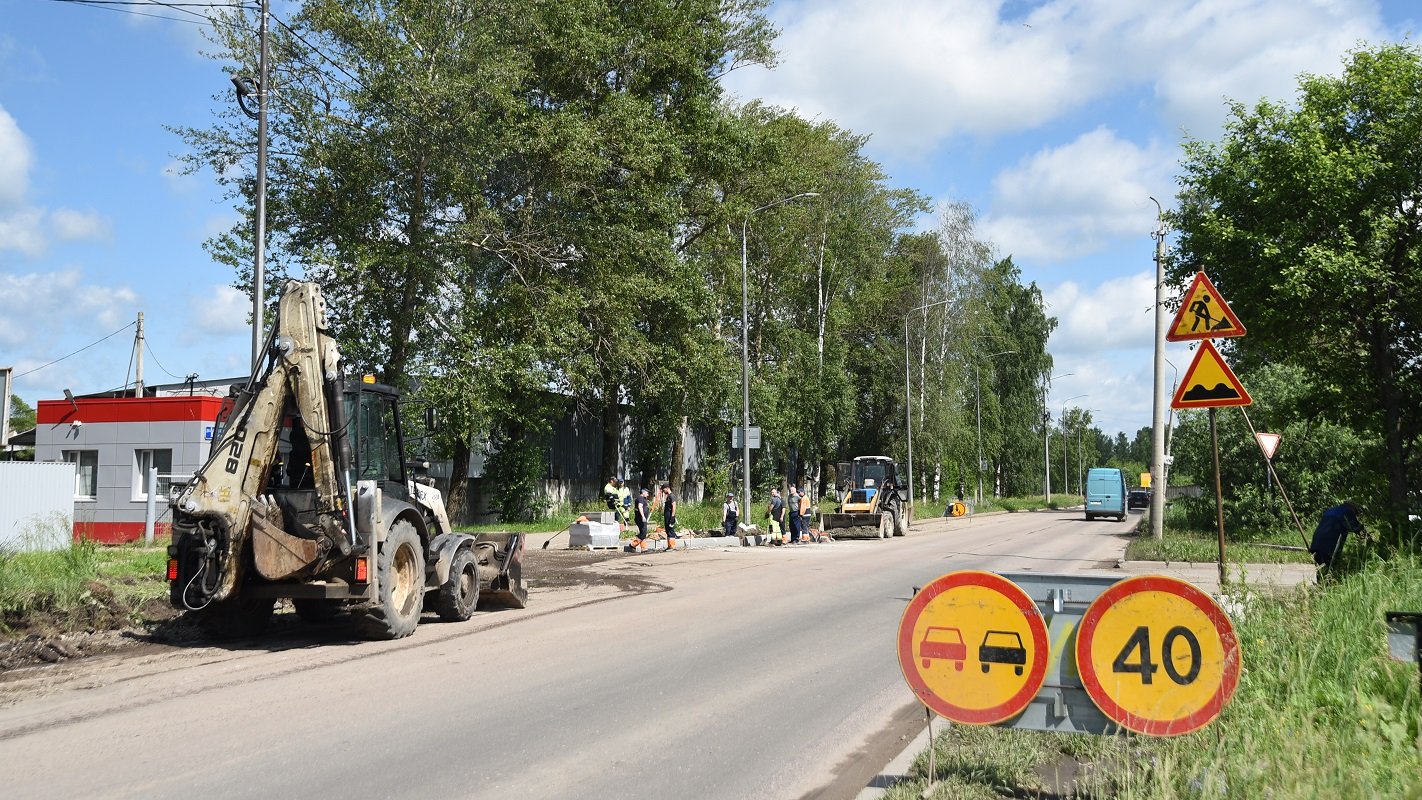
(737, 673)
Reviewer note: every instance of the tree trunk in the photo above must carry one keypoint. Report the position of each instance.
(611, 436)
(677, 473)
(459, 485)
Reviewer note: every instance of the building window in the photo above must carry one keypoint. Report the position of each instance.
(143, 460)
(86, 473)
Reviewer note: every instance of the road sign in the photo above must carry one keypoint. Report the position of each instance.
(1209, 383)
(973, 647)
(1157, 655)
(1203, 315)
(754, 437)
(1269, 443)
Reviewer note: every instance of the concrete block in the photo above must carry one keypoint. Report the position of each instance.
(594, 535)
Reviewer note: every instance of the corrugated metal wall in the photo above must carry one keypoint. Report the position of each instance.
(36, 505)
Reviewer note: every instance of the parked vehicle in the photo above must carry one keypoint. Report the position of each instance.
(1105, 493)
(1138, 498)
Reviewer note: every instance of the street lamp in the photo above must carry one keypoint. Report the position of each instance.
(745, 352)
(978, 407)
(1066, 479)
(908, 397)
(1047, 437)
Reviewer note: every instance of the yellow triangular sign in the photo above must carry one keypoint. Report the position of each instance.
(1209, 383)
(1203, 315)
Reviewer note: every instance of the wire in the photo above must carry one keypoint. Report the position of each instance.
(149, 347)
(118, 6)
(80, 350)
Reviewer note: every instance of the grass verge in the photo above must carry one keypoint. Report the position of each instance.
(79, 587)
(1181, 543)
(1321, 711)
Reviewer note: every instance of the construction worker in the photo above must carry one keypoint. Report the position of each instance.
(1333, 528)
(609, 493)
(793, 501)
(777, 517)
(730, 512)
(624, 503)
(669, 515)
(642, 513)
(806, 516)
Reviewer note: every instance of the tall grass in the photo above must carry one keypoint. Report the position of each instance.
(45, 580)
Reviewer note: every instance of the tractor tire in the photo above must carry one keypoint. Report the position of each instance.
(236, 617)
(401, 569)
(886, 525)
(316, 611)
(458, 595)
(901, 527)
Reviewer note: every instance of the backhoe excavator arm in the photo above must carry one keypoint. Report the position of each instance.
(214, 516)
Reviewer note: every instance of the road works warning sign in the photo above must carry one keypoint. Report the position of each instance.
(1203, 315)
(1157, 656)
(1209, 383)
(973, 647)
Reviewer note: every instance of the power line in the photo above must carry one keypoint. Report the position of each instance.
(149, 348)
(80, 350)
(125, 7)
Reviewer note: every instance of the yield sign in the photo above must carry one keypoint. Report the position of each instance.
(1209, 382)
(1203, 315)
(1268, 442)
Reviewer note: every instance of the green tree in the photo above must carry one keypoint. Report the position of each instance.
(1308, 217)
(22, 418)
(1320, 461)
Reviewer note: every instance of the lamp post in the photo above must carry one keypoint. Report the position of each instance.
(908, 398)
(745, 351)
(978, 408)
(1047, 438)
(1066, 476)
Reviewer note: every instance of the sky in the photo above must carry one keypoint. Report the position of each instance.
(1056, 121)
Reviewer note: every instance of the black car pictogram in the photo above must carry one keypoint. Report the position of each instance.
(1003, 647)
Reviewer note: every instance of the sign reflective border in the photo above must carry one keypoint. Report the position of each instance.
(973, 647)
(1157, 656)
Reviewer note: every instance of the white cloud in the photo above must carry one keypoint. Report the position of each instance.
(23, 225)
(221, 310)
(1113, 315)
(15, 158)
(1070, 201)
(70, 226)
(41, 306)
(915, 73)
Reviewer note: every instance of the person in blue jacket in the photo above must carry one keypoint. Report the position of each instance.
(1333, 528)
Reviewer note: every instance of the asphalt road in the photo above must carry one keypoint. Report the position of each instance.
(737, 673)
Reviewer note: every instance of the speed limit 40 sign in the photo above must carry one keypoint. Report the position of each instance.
(1157, 655)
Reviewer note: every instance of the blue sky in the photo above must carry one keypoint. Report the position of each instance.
(1055, 120)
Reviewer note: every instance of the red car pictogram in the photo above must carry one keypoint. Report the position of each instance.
(944, 643)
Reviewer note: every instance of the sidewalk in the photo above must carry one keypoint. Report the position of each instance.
(1206, 574)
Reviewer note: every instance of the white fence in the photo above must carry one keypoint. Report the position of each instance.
(36, 505)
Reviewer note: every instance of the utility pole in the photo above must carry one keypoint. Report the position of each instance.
(246, 86)
(138, 359)
(1157, 417)
(260, 261)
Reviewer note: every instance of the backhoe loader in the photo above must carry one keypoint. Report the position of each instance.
(307, 495)
(871, 505)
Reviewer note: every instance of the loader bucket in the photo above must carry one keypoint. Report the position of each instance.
(855, 526)
(500, 559)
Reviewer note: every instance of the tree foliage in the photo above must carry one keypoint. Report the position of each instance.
(1308, 217)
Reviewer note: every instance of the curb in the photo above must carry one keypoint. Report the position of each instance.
(897, 769)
